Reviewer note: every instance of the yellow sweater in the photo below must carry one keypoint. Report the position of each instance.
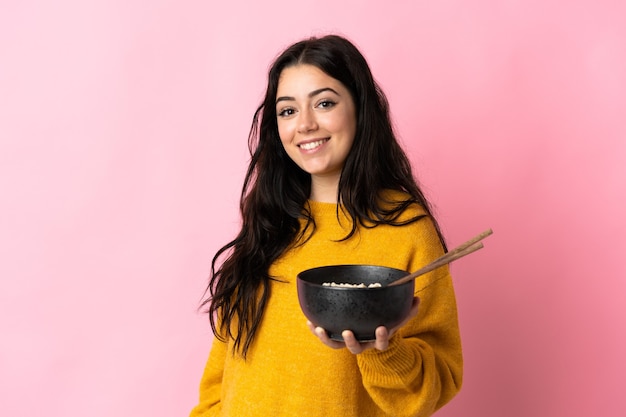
(290, 373)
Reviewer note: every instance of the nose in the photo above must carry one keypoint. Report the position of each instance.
(306, 121)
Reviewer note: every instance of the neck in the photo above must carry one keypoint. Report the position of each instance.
(324, 189)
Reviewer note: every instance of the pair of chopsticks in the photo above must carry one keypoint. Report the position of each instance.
(460, 251)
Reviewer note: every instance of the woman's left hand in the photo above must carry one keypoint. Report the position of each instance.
(382, 335)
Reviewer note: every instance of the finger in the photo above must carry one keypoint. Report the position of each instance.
(414, 307)
(317, 331)
(323, 336)
(351, 342)
(311, 326)
(382, 338)
(412, 314)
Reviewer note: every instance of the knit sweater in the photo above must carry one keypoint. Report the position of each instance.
(289, 372)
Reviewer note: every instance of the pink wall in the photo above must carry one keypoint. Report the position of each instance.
(123, 128)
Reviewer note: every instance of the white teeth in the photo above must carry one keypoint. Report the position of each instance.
(312, 145)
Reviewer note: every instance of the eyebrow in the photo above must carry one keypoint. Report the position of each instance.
(311, 94)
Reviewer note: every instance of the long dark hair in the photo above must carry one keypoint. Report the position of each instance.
(275, 189)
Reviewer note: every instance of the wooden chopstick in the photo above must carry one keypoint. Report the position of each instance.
(467, 244)
(460, 251)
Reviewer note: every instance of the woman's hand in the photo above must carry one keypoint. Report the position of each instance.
(383, 335)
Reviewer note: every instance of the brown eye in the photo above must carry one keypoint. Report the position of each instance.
(286, 112)
(326, 104)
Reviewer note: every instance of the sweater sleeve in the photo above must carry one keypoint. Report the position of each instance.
(209, 404)
(423, 366)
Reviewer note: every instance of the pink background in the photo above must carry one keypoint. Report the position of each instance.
(123, 131)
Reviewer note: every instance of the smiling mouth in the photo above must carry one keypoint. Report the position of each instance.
(313, 145)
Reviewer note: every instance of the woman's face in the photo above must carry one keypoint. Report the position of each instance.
(316, 120)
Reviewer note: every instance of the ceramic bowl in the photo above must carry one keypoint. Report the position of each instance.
(361, 310)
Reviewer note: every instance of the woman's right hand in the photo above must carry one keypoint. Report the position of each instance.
(383, 335)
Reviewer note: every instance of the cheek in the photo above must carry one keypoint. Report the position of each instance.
(344, 123)
(285, 132)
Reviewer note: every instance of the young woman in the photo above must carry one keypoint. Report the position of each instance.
(327, 184)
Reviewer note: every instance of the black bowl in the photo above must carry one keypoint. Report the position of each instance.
(361, 310)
